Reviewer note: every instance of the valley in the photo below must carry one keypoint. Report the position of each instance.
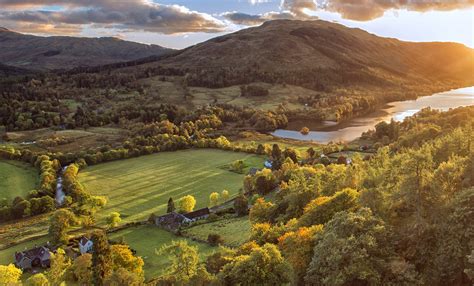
(290, 153)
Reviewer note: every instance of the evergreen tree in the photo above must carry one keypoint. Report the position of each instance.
(171, 207)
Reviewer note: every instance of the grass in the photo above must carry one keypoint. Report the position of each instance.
(16, 179)
(145, 239)
(80, 139)
(235, 230)
(140, 186)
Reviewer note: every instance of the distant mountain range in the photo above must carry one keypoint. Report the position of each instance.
(53, 53)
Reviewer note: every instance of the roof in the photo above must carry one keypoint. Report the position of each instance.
(197, 213)
(170, 218)
(268, 164)
(84, 240)
(253, 171)
(41, 252)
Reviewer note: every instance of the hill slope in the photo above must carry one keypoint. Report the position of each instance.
(321, 55)
(50, 53)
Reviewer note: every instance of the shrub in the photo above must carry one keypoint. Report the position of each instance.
(215, 239)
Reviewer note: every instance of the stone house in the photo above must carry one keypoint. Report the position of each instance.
(35, 257)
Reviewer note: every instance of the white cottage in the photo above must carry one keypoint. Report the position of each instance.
(85, 245)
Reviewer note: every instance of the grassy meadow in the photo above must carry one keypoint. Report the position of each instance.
(140, 186)
(16, 179)
(235, 231)
(145, 239)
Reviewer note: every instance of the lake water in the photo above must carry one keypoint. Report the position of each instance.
(398, 110)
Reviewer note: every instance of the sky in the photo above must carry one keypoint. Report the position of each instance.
(181, 23)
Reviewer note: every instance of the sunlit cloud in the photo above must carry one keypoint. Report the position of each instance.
(122, 15)
(365, 10)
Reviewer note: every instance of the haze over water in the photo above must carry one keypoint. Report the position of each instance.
(398, 110)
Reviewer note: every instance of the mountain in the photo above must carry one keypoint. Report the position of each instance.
(12, 71)
(52, 53)
(321, 55)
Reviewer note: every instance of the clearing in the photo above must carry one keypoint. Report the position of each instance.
(140, 186)
(234, 230)
(16, 179)
(145, 239)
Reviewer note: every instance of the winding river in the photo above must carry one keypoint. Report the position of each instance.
(398, 110)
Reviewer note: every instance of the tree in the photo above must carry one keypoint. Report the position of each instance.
(59, 223)
(186, 204)
(114, 219)
(215, 239)
(123, 276)
(20, 207)
(322, 209)
(171, 207)
(225, 196)
(60, 264)
(237, 166)
(262, 266)
(455, 240)
(241, 205)
(213, 199)
(123, 258)
(101, 258)
(304, 130)
(184, 261)
(82, 269)
(357, 245)
(38, 279)
(261, 211)
(297, 247)
(10, 275)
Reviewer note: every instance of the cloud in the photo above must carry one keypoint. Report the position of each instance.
(122, 15)
(289, 9)
(255, 2)
(365, 10)
(360, 10)
(298, 7)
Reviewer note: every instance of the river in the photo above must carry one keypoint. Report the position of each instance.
(352, 129)
(60, 195)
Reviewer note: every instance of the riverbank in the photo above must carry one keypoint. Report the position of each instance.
(351, 129)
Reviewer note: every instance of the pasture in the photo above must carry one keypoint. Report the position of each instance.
(234, 230)
(145, 239)
(16, 179)
(140, 186)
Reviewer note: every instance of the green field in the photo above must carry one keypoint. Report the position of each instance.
(145, 239)
(140, 186)
(16, 179)
(234, 231)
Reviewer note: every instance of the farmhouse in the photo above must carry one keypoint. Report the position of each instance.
(197, 215)
(35, 257)
(85, 245)
(172, 221)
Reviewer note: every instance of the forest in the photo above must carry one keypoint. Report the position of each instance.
(401, 216)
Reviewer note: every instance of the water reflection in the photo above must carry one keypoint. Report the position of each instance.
(352, 129)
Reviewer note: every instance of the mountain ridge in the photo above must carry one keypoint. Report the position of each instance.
(285, 50)
(65, 52)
